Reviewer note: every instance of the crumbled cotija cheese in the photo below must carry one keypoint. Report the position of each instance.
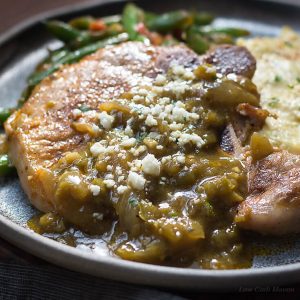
(109, 183)
(128, 143)
(95, 189)
(74, 179)
(160, 79)
(122, 189)
(97, 148)
(106, 120)
(76, 113)
(150, 165)
(150, 108)
(190, 138)
(136, 180)
(150, 121)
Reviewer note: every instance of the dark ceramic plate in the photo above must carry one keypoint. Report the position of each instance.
(20, 51)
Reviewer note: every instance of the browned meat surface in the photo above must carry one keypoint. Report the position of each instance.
(273, 204)
(232, 59)
(230, 143)
(41, 132)
(248, 120)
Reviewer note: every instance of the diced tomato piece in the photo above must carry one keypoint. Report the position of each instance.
(97, 25)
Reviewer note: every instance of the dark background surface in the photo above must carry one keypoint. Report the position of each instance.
(24, 277)
(14, 11)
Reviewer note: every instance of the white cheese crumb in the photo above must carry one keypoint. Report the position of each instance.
(139, 150)
(150, 165)
(136, 180)
(90, 113)
(128, 143)
(137, 98)
(164, 205)
(143, 92)
(122, 189)
(128, 131)
(186, 138)
(178, 70)
(109, 183)
(150, 121)
(176, 126)
(76, 113)
(98, 216)
(95, 189)
(97, 148)
(188, 75)
(180, 159)
(106, 120)
(74, 179)
(179, 114)
(154, 135)
(95, 128)
(166, 159)
(164, 101)
(160, 80)
(121, 178)
(109, 176)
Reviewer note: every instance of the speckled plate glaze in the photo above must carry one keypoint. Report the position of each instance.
(20, 51)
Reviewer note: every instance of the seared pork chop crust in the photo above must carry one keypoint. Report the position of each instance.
(232, 59)
(41, 132)
(273, 204)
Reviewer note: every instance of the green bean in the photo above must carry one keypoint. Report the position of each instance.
(132, 16)
(170, 21)
(220, 38)
(234, 32)
(89, 49)
(149, 16)
(110, 31)
(63, 31)
(78, 38)
(74, 37)
(76, 55)
(170, 42)
(4, 114)
(112, 19)
(82, 23)
(52, 57)
(203, 18)
(57, 54)
(196, 40)
(6, 167)
(25, 94)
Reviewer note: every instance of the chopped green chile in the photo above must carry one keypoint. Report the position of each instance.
(6, 167)
(260, 146)
(165, 190)
(160, 187)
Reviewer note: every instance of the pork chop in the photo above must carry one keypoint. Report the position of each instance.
(41, 132)
(273, 204)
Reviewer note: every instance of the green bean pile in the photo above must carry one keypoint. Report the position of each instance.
(6, 168)
(84, 35)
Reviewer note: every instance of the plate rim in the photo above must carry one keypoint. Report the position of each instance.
(146, 274)
(123, 270)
